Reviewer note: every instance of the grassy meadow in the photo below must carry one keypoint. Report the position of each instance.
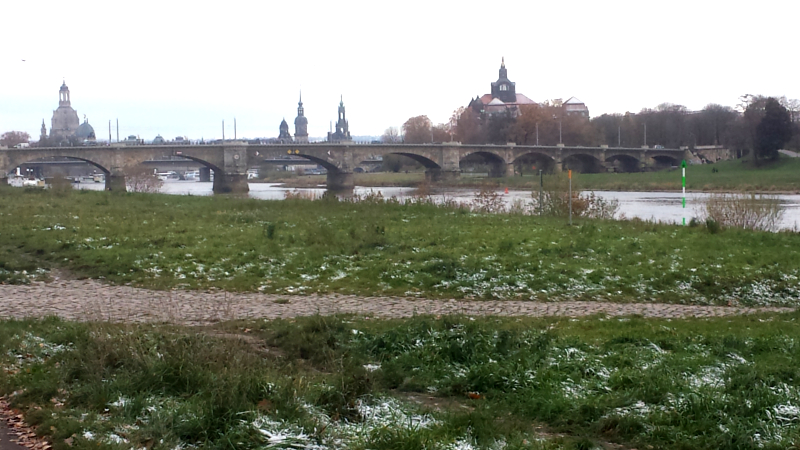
(373, 247)
(451, 383)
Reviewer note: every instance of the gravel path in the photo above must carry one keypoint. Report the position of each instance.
(93, 300)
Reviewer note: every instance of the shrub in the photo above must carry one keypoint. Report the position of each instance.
(487, 200)
(712, 226)
(556, 201)
(745, 211)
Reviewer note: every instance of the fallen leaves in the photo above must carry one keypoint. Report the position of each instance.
(21, 433)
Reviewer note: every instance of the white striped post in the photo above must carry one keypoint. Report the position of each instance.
(683, 183)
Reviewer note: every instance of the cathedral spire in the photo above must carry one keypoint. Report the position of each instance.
(503, 71)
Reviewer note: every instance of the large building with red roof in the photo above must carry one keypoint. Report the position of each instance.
(504, 98)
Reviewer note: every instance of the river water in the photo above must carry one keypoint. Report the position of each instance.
(658, 206)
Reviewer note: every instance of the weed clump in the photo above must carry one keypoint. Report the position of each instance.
(556, 200)
(744, 211)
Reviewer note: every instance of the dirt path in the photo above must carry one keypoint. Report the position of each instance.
(93, 300)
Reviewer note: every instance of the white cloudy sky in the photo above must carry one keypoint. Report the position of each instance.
(179, 67)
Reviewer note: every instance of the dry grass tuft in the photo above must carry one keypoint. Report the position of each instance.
(744, 211)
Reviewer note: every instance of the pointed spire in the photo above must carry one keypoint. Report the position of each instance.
(502, 62)
(301, 97)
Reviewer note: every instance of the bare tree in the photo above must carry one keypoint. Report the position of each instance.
(390, 136)
(12, 138)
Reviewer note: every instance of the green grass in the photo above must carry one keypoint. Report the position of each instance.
(348, 382)
(376, 248)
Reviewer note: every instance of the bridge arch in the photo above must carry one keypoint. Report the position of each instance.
(425, 161)
(665, 161)
(582, 163)
(541, 161)
(322, 162)
(217, 170)
(35, 159)
(623, 163)
(497, 164)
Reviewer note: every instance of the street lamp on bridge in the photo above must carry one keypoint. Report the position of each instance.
(559, 128)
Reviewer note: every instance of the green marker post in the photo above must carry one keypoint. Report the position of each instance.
(683, 182)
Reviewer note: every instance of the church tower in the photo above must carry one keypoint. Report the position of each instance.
(342, 126)
(43, 134)
(503, 88)
(63, 95)
(301, 124)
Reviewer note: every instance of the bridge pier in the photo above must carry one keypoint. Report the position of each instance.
(230, 183)
(339, 181)
(205, 175)
(115, 183)
(437, 175)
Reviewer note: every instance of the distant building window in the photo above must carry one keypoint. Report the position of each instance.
(503, 87)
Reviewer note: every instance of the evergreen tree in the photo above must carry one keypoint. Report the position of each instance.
(774, 130)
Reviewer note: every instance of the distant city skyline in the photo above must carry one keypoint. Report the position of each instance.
(170, 70)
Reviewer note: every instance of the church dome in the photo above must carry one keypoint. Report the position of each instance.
(159, 140)
(85, 131)
(301, 120)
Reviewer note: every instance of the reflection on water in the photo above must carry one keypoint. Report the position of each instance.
(659, 206)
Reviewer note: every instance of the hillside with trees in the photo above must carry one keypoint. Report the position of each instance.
(756, 127)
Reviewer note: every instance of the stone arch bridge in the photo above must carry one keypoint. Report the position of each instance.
(230, 161)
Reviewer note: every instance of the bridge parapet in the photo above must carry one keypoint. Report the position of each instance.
(231, 160)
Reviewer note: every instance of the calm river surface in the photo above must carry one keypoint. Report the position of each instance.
(660, 206)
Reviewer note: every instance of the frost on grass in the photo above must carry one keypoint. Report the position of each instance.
(381, 413)
(27, 349)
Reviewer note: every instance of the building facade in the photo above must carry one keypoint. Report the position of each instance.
(575, 107)
(503, 98)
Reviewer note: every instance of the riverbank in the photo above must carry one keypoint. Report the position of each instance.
(726, 176)
(373, 248)
(450, 382)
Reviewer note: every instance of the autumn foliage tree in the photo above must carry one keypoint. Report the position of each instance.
(417, 130)
(469, 127)
(12, 138)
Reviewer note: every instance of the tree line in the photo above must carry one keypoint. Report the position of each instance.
(758, 126)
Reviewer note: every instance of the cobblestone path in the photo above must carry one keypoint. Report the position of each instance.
(93, 300)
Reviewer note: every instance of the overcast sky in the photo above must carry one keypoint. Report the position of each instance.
(180, 68)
